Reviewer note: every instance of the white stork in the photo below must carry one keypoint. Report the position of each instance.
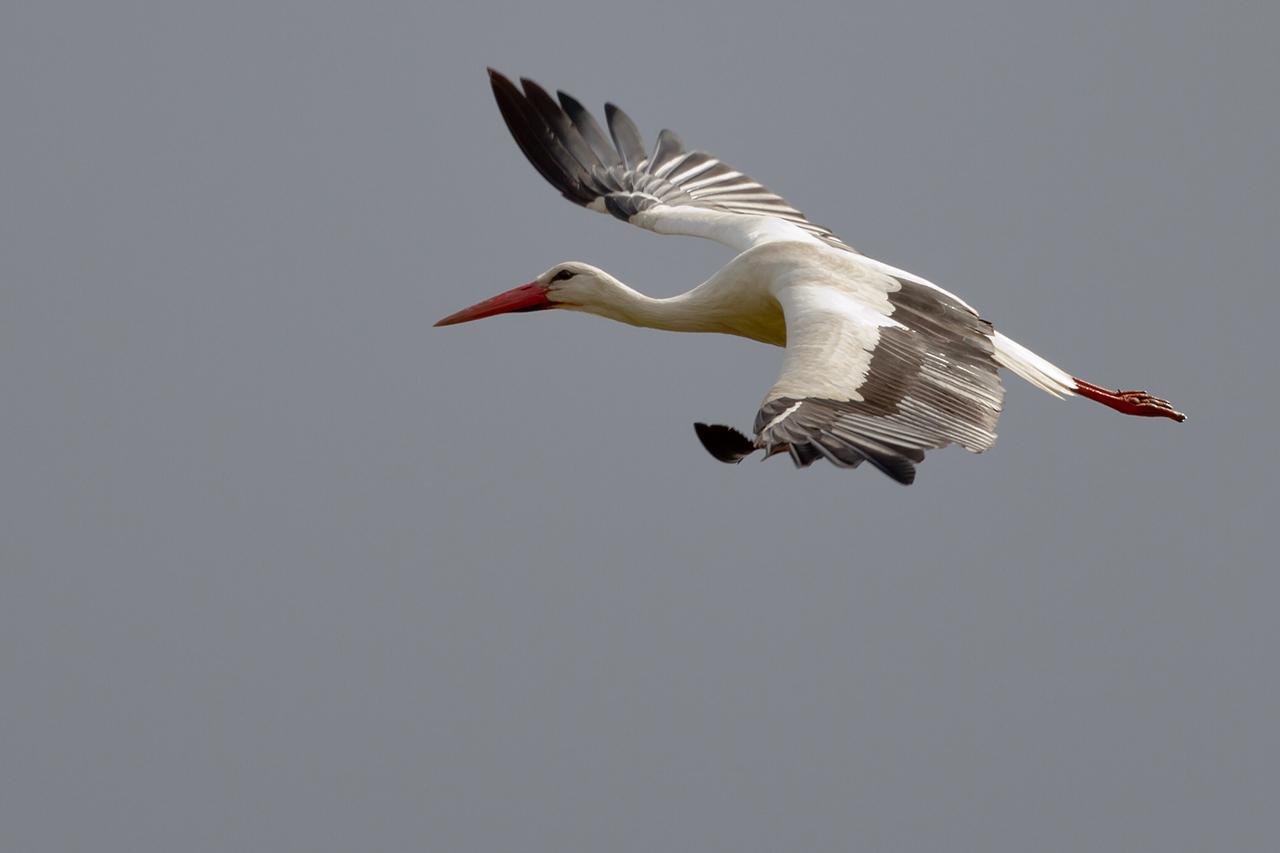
(880, 365)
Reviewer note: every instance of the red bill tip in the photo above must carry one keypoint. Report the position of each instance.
(526, 297)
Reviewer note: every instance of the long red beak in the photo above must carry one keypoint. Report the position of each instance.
(526, 297)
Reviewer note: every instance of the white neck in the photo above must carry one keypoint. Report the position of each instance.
(724, 305)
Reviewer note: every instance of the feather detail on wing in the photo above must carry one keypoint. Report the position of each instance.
(880, 375)
(669, 191)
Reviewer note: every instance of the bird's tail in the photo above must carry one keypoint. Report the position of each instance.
(1039, 372)
(1056, 381)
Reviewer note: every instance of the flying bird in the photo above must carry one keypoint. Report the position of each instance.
(880, 365)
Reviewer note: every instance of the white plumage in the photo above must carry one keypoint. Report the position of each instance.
(880, 365)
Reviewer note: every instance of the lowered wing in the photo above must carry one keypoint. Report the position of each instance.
(877, 369)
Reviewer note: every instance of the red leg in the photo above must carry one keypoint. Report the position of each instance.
(1138, 403)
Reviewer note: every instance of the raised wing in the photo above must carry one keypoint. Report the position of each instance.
(878, 369)
(670, 191)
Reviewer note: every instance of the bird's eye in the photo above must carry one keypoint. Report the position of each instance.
(562, 275)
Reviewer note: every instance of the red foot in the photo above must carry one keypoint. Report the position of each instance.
(1138, 403)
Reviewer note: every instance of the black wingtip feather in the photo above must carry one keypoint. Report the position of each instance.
(626, 136)
(566, 134)
(539, 142)
(589, 129)
(724, 443)
(804, 455)
(897, 467)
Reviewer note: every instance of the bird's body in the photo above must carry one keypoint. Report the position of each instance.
(880, 364)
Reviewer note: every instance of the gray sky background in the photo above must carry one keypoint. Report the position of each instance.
(284, 568)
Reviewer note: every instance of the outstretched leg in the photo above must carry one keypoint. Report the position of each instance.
(1056, 381)
(1138, 403)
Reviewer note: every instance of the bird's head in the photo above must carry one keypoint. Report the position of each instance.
(572, 285)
